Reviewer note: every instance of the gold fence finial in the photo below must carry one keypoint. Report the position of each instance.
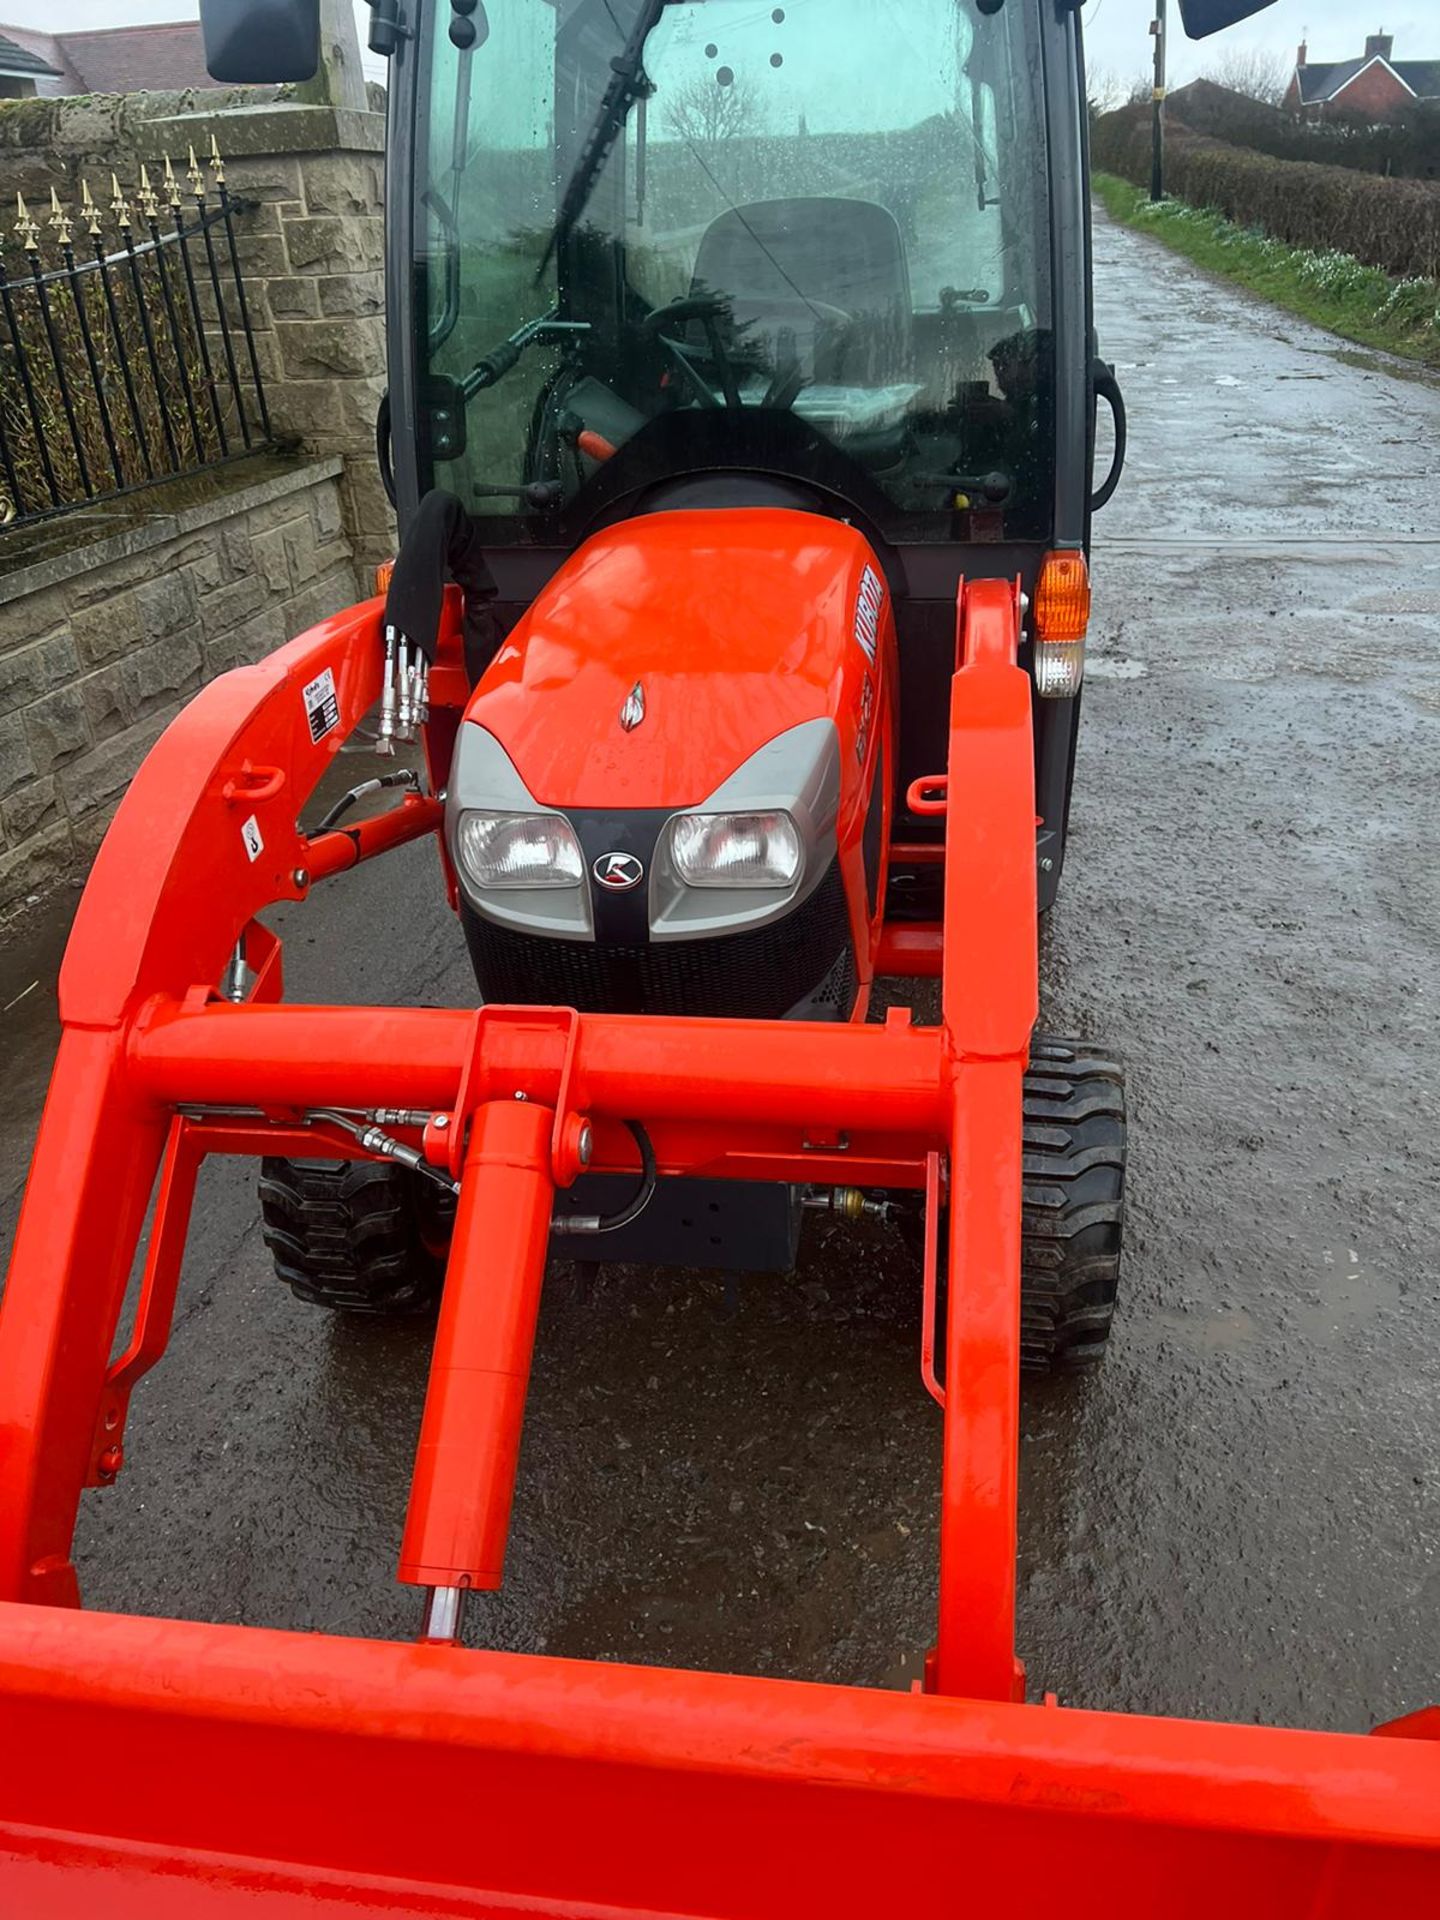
(146, 201)
(119, 205)
(26, 231)
(217, 165)
(195, 175)
(89, 212)
(173, 195)
(60, 220)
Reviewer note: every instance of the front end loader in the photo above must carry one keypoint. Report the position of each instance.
(741, 434)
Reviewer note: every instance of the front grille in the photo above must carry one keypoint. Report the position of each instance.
(756, 975)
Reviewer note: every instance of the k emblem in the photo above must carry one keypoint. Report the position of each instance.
(618, 872)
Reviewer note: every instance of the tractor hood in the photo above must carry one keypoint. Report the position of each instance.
(669, 649)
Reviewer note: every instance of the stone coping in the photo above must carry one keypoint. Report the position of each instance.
(113, 530)
(268, 128)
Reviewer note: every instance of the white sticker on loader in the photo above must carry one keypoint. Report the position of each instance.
(322, 708)
(867, 613)
(253, 841)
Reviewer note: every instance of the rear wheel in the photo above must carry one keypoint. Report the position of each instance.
(1074, 1204)
(358, 1236)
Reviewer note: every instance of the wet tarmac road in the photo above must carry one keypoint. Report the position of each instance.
(1240, 1516)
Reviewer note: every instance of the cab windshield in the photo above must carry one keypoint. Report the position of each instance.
(664, 238)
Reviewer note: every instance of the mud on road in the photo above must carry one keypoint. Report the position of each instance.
(1240, 1515)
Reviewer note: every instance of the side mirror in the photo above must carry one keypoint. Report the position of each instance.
(1202, 17)
(261, 42)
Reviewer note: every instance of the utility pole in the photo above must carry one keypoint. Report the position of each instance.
(1157, 126)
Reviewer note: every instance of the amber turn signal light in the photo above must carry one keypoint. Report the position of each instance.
(1061, 615)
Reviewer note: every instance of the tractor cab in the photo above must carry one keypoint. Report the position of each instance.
(661, 242)
(712, 253)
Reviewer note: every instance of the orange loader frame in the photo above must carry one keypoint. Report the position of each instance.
(151, 1767)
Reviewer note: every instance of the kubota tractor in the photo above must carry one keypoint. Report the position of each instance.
(741, 416)
(709, 440)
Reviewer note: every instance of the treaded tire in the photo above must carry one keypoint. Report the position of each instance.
(357, 1236)
(1074, 1204)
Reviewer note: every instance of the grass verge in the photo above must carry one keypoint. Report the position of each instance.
(1335, 290)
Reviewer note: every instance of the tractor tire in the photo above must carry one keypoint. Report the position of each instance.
(1073, 1206)
(357, 1236)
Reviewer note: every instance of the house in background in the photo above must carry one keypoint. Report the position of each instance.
(1376, 87)
(23, 71)
(105, 60)
(1207, 107)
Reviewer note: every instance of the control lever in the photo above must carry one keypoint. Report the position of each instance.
(496, 364)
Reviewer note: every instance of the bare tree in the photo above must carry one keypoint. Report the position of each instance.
(703, 111)
(1106, 90)
(1253, 71)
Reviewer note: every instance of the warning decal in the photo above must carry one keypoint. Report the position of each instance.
(322, 707)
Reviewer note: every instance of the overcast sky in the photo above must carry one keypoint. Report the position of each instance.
(1115, 30)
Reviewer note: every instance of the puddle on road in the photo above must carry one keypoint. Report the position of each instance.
(906, 1672)
(1114, 667)
(1347, 1294)
(1376, 363)
(1213, 1329)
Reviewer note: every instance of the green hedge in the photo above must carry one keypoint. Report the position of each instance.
(1390, 224)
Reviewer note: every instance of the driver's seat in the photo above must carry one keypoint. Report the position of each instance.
(821, 282)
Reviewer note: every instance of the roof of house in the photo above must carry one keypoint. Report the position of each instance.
(17, 59)
(1206, 89)
(1209, 96)
(1320, 81)
(116, 59)
(138, 59)
(1421, 76)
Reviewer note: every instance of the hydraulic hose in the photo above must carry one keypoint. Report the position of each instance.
(610, 1221)
(588, 1223)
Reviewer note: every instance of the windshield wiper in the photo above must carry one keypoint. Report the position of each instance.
(627, 82)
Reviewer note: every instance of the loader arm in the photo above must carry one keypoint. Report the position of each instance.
(523, 1784)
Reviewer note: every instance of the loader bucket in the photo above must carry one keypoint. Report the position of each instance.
(153, 1768)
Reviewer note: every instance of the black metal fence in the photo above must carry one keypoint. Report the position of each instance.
(127, 354)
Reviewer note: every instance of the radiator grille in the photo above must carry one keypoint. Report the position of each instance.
(756, 975)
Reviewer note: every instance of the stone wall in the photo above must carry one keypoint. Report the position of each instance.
(101, 644)
(312, 254)
(88, 136)
(111, 617)
(311, 245)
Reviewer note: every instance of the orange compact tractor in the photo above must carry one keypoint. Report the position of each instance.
(742, 400)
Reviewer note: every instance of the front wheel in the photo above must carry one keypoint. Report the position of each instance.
(357, 1236)
(1072, 1207)
(1073, 1211)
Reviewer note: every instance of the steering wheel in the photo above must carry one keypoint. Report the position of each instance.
(708, 309)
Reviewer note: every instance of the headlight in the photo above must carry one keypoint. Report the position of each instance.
(513, 850)
(736, 849)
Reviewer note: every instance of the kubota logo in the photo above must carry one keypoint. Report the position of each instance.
(618, 871)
